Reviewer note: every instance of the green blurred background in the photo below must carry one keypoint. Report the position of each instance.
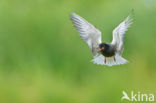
(43, 59)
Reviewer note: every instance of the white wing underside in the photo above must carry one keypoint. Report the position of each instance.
(88, 32)
(119, 32)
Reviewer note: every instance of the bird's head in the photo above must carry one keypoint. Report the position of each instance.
(102, 47)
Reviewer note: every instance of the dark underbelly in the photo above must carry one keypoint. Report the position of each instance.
(108, 54)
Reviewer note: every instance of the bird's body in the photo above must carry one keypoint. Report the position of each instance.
(109, 50)
(103, 53)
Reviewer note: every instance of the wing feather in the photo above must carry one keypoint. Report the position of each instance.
(87, 31)
(119, 32)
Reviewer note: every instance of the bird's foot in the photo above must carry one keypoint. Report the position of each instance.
(114, 59)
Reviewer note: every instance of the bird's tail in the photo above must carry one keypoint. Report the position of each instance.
(109, 61)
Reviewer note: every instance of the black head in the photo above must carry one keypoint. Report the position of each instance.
(106, 49)
(103, 47)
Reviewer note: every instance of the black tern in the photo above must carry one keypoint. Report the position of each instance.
(103, 53)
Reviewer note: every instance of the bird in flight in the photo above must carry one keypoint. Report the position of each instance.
(103, 53)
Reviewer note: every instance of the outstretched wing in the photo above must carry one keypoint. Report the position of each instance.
(88, 32)
(119, 32)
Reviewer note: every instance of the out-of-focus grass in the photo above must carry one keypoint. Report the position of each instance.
(43, 60)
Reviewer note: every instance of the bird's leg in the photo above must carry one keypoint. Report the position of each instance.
(114, 59)
(105, 61)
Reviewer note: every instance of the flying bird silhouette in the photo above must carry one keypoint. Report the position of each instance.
(125, 96)
(103, 53)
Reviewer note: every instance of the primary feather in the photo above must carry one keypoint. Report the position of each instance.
(119, 32)
(88, 32)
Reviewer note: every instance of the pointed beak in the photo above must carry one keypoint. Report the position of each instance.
(99, 49)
